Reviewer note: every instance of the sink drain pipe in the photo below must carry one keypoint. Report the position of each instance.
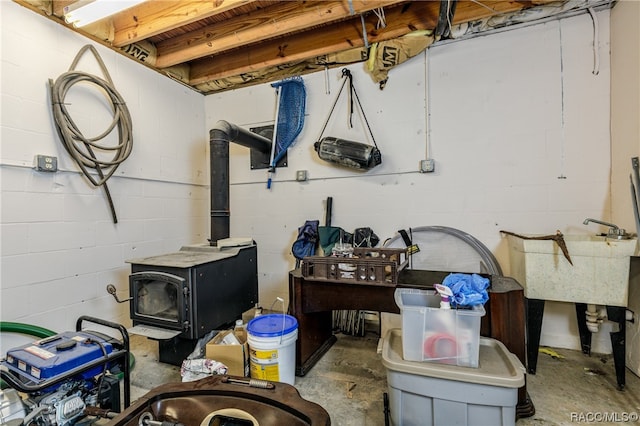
(596, 314)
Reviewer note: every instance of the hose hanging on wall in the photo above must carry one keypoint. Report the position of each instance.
(81, 149)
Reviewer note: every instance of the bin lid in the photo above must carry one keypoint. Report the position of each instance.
(272, 325)
(496, 365)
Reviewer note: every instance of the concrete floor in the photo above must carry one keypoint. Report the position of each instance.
(350, 380)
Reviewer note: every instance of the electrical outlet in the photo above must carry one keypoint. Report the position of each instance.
(46, 163)
(427, 166)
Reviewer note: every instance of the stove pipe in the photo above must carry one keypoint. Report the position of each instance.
(219, 137)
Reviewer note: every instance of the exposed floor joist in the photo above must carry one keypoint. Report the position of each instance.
(200, 42)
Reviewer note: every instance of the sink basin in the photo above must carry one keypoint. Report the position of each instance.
(599, 275)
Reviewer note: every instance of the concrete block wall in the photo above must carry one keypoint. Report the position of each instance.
(518, 126)
(517, 123)
(60, 247)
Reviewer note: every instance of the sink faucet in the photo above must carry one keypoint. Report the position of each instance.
(614, 230)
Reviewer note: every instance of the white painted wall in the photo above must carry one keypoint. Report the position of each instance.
(625, 135)
(625, 104)
(60, 247)
(518, 126)
(495, 130)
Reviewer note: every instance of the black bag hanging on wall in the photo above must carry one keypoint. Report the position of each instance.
(350, 154)
(365, 237)
(354, 155)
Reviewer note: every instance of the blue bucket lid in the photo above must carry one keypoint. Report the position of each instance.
(272, 325)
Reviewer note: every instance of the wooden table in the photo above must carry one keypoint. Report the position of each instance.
(312, 302)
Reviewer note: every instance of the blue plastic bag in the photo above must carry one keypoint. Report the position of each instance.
(307, 240)
(468, 289)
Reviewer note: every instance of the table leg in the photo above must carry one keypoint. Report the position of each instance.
(618, 345)
(535, 311)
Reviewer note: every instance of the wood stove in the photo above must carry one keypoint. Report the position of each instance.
(177, 298)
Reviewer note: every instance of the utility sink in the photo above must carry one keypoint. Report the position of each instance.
(599, 275)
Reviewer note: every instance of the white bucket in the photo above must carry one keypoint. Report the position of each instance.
(272, 347)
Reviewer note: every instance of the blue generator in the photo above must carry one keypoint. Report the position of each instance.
(65, 378)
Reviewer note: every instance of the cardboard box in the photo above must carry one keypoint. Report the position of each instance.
(235, 357)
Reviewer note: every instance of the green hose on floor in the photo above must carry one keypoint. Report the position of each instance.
(31, 330)
(41, 333)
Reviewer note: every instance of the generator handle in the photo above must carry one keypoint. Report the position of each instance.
(18, 381)
(126, 370)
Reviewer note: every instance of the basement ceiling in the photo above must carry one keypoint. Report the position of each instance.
(218, 45)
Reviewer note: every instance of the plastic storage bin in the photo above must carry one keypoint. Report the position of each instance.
(445, 395)
(448, 336)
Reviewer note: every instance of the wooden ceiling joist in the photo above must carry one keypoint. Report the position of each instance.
(283, 18)
(154, 17)
(307, 45)
(210, 40)
(401, 20)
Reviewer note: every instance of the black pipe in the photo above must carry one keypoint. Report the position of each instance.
(219, 137)
(232, 133)
(219, 159)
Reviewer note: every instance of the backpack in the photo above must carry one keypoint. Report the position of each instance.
(307, 240)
